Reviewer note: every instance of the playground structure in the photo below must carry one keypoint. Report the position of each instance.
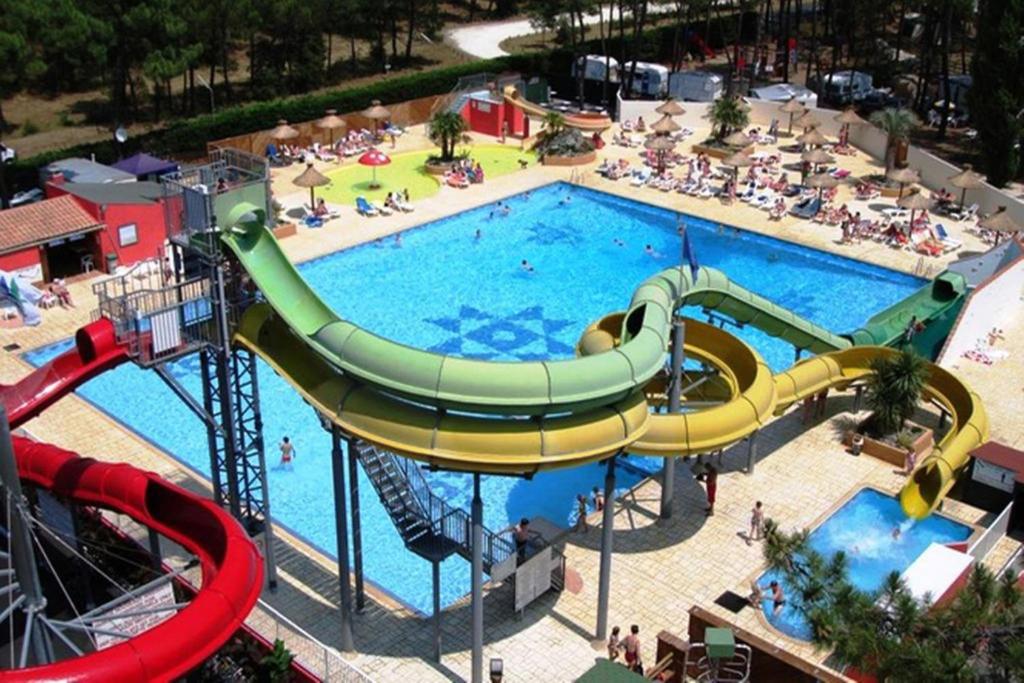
(234, 296)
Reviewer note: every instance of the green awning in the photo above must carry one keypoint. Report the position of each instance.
(609, 672)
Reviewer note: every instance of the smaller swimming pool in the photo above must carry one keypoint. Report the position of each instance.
(863, 528)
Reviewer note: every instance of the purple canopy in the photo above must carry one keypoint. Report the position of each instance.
(143, 164)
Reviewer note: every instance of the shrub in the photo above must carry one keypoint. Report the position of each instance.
(894, 390)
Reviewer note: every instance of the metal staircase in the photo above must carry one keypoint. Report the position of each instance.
(429, 526)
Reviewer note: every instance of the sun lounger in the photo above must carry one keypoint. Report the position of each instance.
(948, 242)
(807, 208)
(964, 214)
(365, 208)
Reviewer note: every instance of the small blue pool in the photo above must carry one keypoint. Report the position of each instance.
(446, 290)
(863, 529)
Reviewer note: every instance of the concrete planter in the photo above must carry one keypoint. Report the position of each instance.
(284, 230)
(720, 152)
(438, 168)
(895, 455)
(579, 160)
(885, 190)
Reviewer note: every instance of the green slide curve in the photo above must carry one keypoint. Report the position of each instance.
(928, 304)
(508, 388)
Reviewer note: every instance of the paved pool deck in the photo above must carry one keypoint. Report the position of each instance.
(660, 569)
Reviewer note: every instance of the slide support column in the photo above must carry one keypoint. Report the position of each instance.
(435, 570)
(477, 599)
(357, 524)
(751, 452)
(341, 528)
(607, 529)
(675, 400)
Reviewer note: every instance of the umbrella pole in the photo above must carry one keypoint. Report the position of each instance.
(963, 197)
(312, 199)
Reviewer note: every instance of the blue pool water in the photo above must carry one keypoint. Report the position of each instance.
(443, 289)
(863, 529)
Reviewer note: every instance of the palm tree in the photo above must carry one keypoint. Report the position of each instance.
(727, 114)
(445, 130)
(554, 123)
(894, 389)
(897, 125)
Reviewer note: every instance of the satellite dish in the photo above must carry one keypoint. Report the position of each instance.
(121, 135)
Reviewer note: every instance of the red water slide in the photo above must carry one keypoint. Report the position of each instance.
(96, 350)
(232, 570)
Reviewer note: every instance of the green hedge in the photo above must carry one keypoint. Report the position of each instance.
(189, 136)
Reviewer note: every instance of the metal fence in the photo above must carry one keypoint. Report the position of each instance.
(322, 661)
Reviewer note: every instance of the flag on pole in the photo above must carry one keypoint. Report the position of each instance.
(689, 255)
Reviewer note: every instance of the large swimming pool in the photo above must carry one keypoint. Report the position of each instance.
(443, 288)
(864, 528)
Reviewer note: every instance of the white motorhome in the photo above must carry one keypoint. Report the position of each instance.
(845, 87)
(650, 80)
(695, 86)
(594, 67)
(783, 92)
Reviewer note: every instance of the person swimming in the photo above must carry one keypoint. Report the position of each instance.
(506, 210)
(398, 240)
(617, 242)
(479, 234)
(566, 200)
(526, 266)
(652, 252)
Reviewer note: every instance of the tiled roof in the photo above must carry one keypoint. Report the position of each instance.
(43, 221)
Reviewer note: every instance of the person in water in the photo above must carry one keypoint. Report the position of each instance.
(526, 266)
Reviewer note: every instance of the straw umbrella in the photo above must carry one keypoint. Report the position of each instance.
(738, 160)
(966, 179)
(670, 108)
(374, 158)
(377, 113)
(330, 122)
(1000, 222)
(737, 139)
(807, 120)
(848, 117)
(915, 201)
(312, 179)
(812, 137)
(821, 181)
(903, 176)
(816, 157)
(283, 131)
(660, 145)
(665, 125)
(792, 107)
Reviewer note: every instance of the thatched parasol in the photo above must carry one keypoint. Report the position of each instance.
(817, 156)
(812, 137)
(807, 120)
(848, 117)
(330, 122)
(1000, 222)
(903, 176)
(821, 181)
(377, 113)
(665, 125)
(792, 107)
(670, 108)
(737, 139)
(966, 179)
(312, 179)
(283, 131)
(737, 160)
(915, 201)
(660, 144)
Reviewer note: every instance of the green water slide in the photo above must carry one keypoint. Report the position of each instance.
(935, 306)
(507, 388)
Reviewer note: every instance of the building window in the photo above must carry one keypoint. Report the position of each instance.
(484, 107)
(128, 235)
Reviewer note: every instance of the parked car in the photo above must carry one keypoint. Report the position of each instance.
(26, 197)
(695, 86)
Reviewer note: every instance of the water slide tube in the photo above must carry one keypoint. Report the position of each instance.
(583, 122)
(231, 566)
(96, 350)
(298, 339)
(527, 388)
(929, 304)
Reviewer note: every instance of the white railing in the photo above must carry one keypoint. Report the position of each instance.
(981, 547)
(322, 661)
(1014, 563)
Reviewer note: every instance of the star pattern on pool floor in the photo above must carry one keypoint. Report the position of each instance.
(524, 335)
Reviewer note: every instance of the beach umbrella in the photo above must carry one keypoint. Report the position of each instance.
(377, 113)
(848, 117)
(792, 107)
(821, 181)
(903, 176)
(915, 201)
(966, 179)
(670, 108)
(737, 160)
(812, 137)
(283, 131)
(330, 122)
(374, 158)
(807, 120)
(660, 144)
(1000, 222)
(665, 125)
(817, 156)
(737, 139)
(312, 179)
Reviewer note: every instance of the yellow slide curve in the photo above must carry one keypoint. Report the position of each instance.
(523, 446)
(596, 122)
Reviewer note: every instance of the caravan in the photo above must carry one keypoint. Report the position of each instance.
(844, 87)
(695, 86)
(650, 80)
(594, 67)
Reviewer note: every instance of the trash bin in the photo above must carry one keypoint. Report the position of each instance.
(111, 262)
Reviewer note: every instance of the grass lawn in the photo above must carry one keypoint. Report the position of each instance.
(406, 172)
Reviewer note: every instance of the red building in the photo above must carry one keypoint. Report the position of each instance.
(52, 238)
(489, 114)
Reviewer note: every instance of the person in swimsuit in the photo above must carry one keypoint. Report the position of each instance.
(287, 452)
(778, 597)
(631, 646)
(521, 535)
(614, 646)
(598, 500)
(581, 513)
(710, 479)
(756, 523)
(526, 266)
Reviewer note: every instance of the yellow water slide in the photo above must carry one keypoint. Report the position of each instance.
(590, 123)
